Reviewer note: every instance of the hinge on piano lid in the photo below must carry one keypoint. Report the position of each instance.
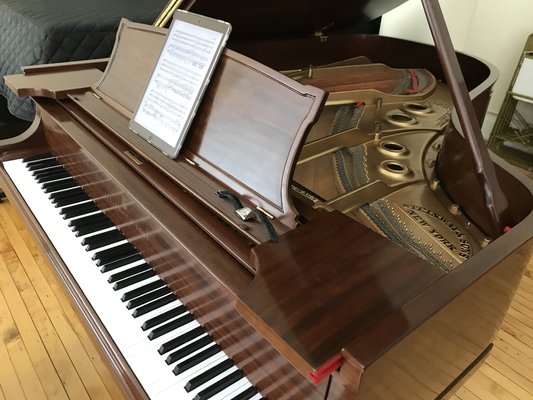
(320, 33)
(134, 157)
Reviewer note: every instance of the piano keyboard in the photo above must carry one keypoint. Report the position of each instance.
(171, 354)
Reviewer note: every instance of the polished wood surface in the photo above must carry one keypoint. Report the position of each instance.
(73, 367)
(280, 19)
(308, 284)
(56, 85)
(199, 271)
(195, 259)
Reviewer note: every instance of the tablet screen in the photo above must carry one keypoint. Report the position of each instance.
(181, 74)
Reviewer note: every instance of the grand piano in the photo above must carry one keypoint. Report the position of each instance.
(332, 229)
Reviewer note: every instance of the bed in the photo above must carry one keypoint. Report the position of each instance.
(47, 31)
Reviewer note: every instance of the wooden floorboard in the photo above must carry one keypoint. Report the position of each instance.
(47, 352)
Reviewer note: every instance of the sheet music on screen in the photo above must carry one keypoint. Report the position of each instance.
(177, 83)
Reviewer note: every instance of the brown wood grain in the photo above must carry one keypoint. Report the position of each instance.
(328, 287)
(171, 246)
(327, 282)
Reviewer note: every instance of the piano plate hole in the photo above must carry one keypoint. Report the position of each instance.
(400, 118)
(395, 167)
(393, 147)
(417, 108)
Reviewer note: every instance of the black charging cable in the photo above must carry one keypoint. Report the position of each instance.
(247, 214)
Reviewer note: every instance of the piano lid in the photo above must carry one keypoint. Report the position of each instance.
(282, 19)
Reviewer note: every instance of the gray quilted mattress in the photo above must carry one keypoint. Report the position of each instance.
(47, 31)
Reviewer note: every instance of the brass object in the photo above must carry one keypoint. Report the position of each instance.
(454, 209)
(392, 148)
(382, 150)
(399, 118)
(164, 18)
(190, 162)
(134, 157)
(430, 163)
(417, 108)
(269, 215)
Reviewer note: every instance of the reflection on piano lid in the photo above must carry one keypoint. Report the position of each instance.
(168, 350)
(333, 309)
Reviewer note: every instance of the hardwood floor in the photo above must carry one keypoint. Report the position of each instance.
(46, 351)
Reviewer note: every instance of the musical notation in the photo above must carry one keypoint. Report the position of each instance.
(178, 79)
(191, 49)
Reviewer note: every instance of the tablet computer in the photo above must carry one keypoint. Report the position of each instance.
(189, 56)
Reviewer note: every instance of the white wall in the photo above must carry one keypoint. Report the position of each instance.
(493, 30)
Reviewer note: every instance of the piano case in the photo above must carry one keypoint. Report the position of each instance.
(331, 309)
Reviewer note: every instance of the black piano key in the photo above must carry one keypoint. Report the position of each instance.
(92, 228)
(102, 239)
(47, 185)
(142, 300)
(54, 197)
(87, 220)
(44, 170)
(219, 386)
(186, 351)
(159, 319)
(114, 253)
(48, 171)
(206, 376)
(53, 177)
(37, 157)
(137, 269)
(72, 200)
(78, 209)
(50, 162)
(59, 185)
(246, 394)
(181, 340)
(196, 359)
(170, 326)
(120, 263)
(124, 283)
(154, 305)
